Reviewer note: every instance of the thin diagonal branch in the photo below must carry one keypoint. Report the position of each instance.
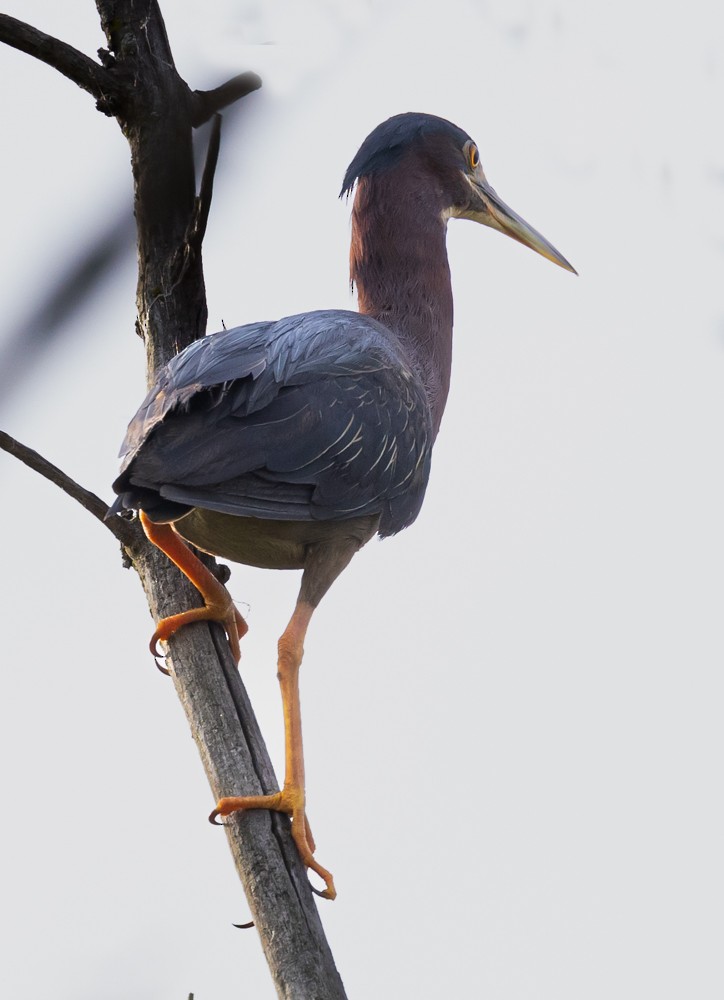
(77, 66)
(123, 530)
(202, 206)
(75, 281)
(189, 251)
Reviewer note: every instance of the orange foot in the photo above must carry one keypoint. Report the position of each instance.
(290, 801)
(223, 611)
(218, 606)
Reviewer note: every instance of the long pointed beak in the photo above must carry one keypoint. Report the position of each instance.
(498, 215)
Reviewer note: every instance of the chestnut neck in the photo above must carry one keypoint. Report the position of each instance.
(399, 265)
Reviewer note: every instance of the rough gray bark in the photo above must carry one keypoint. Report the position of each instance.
(136, 81)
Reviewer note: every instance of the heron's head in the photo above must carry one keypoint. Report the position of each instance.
(436, 162)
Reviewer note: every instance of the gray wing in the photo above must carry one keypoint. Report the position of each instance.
(312, 417)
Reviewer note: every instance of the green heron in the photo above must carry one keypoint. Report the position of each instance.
(289, 444)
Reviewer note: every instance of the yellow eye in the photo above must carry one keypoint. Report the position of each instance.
(473, 155)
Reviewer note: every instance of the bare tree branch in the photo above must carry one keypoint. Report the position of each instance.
(77, 66)
(205, 103)
(125, 532)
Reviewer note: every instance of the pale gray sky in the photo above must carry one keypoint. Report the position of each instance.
(513, 710)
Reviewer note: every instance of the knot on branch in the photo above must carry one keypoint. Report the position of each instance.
(108, 105)
(115, 98)
(107, 59)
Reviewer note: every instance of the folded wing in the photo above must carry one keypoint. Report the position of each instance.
(314, 417)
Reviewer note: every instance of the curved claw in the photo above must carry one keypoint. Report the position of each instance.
(227, 616)
(156, 654)
(161, 668)
(214, 818)
(324, 893)
(330, 892)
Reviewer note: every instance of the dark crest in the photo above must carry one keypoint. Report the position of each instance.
(385, 145)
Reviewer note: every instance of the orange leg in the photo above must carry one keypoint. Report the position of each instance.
(291, 799)
(218, 606)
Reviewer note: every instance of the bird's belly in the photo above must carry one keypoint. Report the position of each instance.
(267, 544)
